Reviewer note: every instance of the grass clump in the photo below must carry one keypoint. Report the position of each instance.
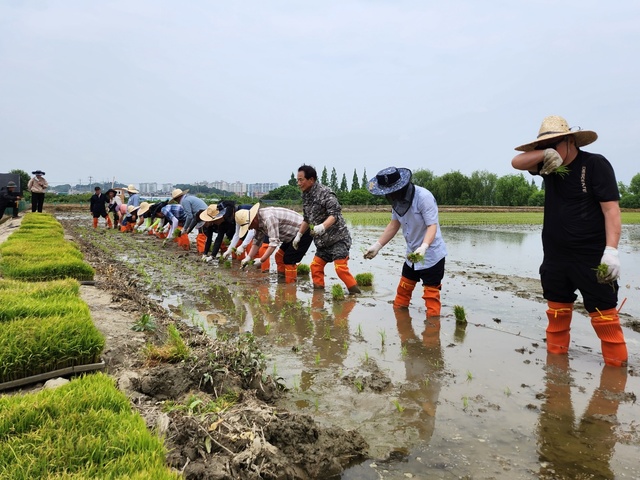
(85, 429)
(173, 350)
(460, 314)
(364, 279)
(303, 269)
(337, 292)
(146, 323)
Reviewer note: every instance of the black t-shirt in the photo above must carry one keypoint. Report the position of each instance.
(573, 219)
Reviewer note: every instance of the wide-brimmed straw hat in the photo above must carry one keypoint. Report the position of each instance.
(37, 172)
(131, 208)
(554, 127)
(178, 193)
(245, 217)
(211, 214)
(144, 208)
(389, 180)
(132, 189)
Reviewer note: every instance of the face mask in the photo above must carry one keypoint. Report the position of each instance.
(401, 203)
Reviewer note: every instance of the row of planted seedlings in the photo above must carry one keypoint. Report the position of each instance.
(85, 428)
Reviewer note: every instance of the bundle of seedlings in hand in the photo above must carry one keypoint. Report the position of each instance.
(415, 257)
(364, 279)
(562, 170)
(460, 314)
(602, 273)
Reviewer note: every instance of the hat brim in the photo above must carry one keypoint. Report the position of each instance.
(205, 217)
(38, 172)
(133, 191)
(144, 209)
(183, 192)
(252, 214)
(583, 137)
(403, 181)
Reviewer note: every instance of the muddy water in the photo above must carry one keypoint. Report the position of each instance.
(433, 400)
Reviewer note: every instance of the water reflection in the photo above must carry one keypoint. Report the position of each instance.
(423, 363)
(583, 450)
(331, 337)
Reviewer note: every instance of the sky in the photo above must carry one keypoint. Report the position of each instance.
(183, 92)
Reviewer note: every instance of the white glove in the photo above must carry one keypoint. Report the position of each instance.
(373, 250)
(239, 250)
(550, 161)
(257, 262)
(226, 254)
(208, 258)
(166, 228)
(422, 249)
(245, 261)
(296, 241)
(612, 261)
(318, 230)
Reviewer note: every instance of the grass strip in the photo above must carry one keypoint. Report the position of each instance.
(31, 346)
(85, 429)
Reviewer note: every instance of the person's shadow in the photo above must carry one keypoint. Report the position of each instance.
(578, 450)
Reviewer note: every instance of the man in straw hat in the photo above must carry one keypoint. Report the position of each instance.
(37, 186)
(134, 196)
(193, 207)
(321, 209)
(415, 210)
(9, 198)
(580, 234)
(280, 226)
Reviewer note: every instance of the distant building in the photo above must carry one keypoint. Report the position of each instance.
(148, 187)
(259, 190)
(167, 187)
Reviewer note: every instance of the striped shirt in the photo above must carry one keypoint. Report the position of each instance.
(281, 225)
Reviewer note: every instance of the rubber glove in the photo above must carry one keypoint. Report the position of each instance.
(422, 249)
(318, 230)
(245, 261)
(550, 161)
(296, 241)
(257, 262)
(373, 250)
(208, 258)
(611, 259)
(226, 254)
(239, 250)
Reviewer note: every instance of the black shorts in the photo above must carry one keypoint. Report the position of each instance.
(431, 277)
(560, 280)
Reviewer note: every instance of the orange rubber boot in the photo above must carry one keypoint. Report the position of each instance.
(403, 294)
(559, 327)
(264, 266)
(290, 273)
(317, 272)
(280, 267)
(606, 323)
(95, 223)
(109, 223)
(342, 269)
(183, 241)
(201, 241)
(431, 298)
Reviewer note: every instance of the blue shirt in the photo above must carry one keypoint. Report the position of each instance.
(173, 213)
(134, 200)
(422, 213)
(191, 205)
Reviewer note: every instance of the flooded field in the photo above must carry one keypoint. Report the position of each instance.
(432, 399)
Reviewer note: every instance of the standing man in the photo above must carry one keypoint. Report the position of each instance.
(280, 226)
(415, 210)
(37, 186)
(9, 198)
(580, 232)
(330, 233)
(98, 207)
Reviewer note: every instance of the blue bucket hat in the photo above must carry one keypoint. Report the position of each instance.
(389, 180)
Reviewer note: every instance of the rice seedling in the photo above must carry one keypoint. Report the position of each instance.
(399, 407)
(460, 314)
(327, 333)
(173, 350)
(507, 391)
(267, 328)
(146, 323)
(562, 171)
(403, 351)
(303, 269)
(383, 336)
(359, 330)
(415, 257)
(317, 360)
(426, 382)
(345, 345)
(85, 429)
(364, 279)
(296, 383)
(465, 403)
(602, 272)
(469, 376)
(358, 384)
(337, 292)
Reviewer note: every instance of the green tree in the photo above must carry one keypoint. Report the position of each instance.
(634, 186)
(355, 183)
(343, 184)
(24, 178)
(285, 192)
(293, 181)
(513, 190)
(333, 183)
(482, 186)
(423, 178)
(452, 189)
(362, 196)
(324, 178)
(365, 180)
